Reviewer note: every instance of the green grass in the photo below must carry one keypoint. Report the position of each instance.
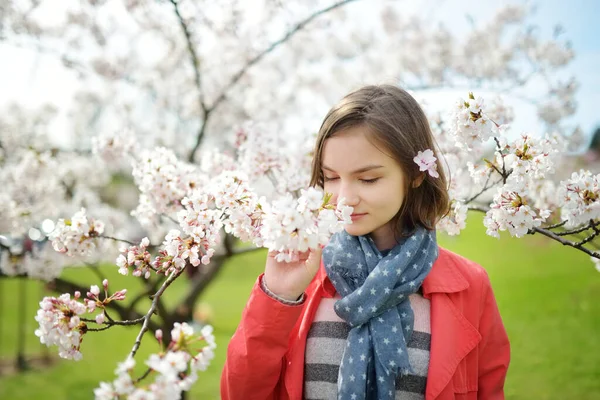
(549, 298)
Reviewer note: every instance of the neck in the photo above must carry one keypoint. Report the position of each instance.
(384, 237)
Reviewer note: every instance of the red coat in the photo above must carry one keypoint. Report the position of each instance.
(469, 353)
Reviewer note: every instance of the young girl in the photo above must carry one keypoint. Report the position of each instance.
(382, 312)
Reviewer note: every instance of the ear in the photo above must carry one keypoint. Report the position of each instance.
(418, 181)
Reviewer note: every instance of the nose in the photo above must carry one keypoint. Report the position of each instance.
(349, 193)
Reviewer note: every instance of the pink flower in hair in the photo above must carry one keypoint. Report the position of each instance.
(427, 162)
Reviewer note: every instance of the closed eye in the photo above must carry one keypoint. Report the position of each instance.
(369, 180)
(326, 179)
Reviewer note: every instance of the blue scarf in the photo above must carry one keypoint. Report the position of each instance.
(375, 304)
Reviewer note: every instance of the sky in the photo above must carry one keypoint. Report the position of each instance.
(31, 79)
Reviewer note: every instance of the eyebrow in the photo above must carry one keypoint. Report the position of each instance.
(358, 171)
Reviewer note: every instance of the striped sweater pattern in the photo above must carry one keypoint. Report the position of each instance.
(327, 339)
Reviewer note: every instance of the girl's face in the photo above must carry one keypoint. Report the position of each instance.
(370, 181)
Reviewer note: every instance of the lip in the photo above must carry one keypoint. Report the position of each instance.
(357, 216)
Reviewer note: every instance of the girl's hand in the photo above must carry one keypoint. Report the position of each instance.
(289, 280)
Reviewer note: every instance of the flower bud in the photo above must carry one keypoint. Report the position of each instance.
(105, 284)
(95, 290)
(100, 319)
(158, 334)
(120, 295)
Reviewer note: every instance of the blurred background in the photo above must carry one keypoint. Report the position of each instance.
(186, 74)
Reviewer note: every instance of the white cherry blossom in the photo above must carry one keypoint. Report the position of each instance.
(579, 198)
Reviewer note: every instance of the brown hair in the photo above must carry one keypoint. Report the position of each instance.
(394, 121)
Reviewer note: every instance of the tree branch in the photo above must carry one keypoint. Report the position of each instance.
(143, 376)
(592, 225)
(192, 52)
(174, 275)
(557, 225)
(197, 79)
(564, 242)
(151, 286)
(238, 75)
(485, 188)
(552, 235)
(273, 46)
(117, 239)
(503, 173)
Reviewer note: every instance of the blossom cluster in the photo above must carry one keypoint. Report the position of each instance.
(60, 323)
(286, 225)
(31, 186)
(291, 227)
(176, 369)
(510, 212)
(240, 206)
(470, 125)
(136, 258)
(516, 170)
(163, 181)
(36, 260)
(262, 153)
(579, 198)
(229, 203)
(257, 150)
(178, 250)
(456, 220)
(114, 147)
(76, 236)
(528, 158)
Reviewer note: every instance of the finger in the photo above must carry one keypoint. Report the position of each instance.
(303, 256)
(314, 259)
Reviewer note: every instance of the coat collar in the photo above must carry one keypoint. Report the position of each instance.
(444, 277)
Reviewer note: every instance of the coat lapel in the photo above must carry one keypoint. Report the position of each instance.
(452, 335)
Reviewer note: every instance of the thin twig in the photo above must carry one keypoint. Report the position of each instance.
(117, 239)
(99, 329)
(113, 322)
(245, 250)
(478, 208)
(587, 239)
(504, 174)
(579, 230)
(174, 275)
(151, 285)
(552, 235)
(169, 218)
(144, 375)
(485, 188)
(558, 225)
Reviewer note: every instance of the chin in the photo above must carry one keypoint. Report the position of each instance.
(355, 230)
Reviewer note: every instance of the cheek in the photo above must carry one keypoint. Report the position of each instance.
(388, 197)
